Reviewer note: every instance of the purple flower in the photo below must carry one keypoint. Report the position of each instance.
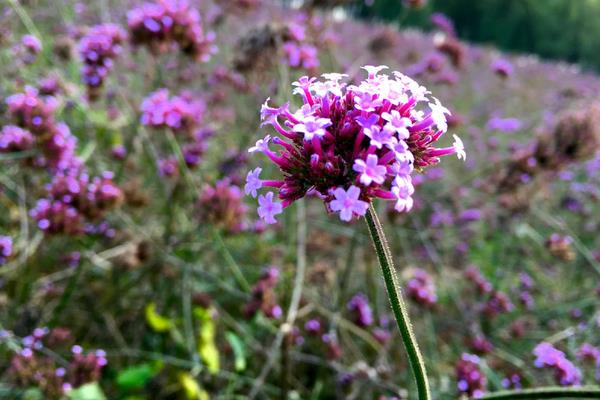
(31, 43)
(313, 326)
(502, 67)
(506, 125)
(268, 115)
(357, 135)
(421, 289)
(470, 379)
(402, 188)
(397, 123)
(268, 208)
(6, 247)
(165, 23)
(547, 356)
(253, 182)
(443, 23)
(13, 139)
(380, 137)
(368, 123)
(312, 127)
(222, 206)
(370, 171)
(347, 203)
(98, 50)
(180, 113)
(469, 215)
(361, 310)
(366, 101)
(262, 145)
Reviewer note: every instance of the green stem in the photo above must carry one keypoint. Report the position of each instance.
(584, 392)
(398, 306)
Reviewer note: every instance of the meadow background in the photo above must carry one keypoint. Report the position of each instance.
(147, 274)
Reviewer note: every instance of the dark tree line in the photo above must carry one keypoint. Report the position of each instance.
(556, 29)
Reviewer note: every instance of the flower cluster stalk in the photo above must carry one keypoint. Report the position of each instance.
(398, 305)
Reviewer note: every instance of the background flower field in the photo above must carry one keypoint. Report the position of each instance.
(133, 264)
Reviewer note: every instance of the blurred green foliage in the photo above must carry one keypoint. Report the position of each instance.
(557, 29)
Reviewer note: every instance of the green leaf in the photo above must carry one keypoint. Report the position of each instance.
(206, 339)
(156, 321)
(90, 391)
(239, 350)
(136, 376)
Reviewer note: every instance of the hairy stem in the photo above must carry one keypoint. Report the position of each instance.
(398, 306)
(546, 393)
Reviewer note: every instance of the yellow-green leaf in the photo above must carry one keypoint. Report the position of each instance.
(89, 391)
(206, 339)
(156, 321)
(239, 351)
(191, 388)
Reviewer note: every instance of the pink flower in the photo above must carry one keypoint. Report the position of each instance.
(267, 208)
(347, 203)
(370, 171)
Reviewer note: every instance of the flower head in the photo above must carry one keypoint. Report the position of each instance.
(351, 144)
(164, 23)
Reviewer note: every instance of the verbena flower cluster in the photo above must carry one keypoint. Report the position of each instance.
(74, 198)
(589, 353)
(470, 379)
(263, 296)
(351, 144)
(15, 139)
(98, 50)
(222, 206)
(480, 344)
(6, 248)
(548, 356)
(36, 127)
(421, 288)
(360, 310)
(182, 114)
(298, 51)
(495, 301)
(474, 275)
(167, 23)
(179, 113)
(526, 286)
(32, 366)
(30, 47)
(561, 246)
